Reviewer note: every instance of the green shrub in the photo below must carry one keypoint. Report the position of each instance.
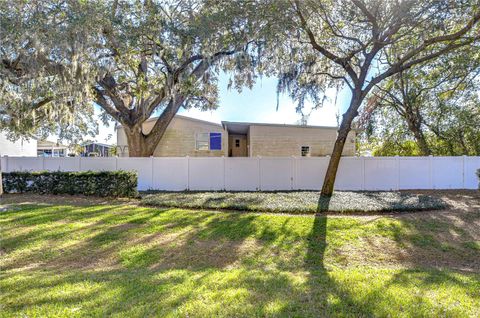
(102, 184)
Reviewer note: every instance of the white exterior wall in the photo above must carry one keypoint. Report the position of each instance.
(17, 148)
(273, 173)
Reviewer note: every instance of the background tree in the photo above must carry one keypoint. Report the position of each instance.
(436, 104)
(429, 99)
(361, 43)
(131, 58)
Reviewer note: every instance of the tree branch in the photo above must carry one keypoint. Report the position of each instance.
(336, 59)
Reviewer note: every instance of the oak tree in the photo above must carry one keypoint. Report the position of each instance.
(432, 101)
(133, 59)
(361, 43)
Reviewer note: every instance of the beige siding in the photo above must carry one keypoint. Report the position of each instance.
(179, 138)
(241, 150)
(279, 141)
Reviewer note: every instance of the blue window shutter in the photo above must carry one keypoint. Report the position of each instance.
(215, 141)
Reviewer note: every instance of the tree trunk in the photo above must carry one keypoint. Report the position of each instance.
(420, 138)
(138, 143)
(345, 127)
(141, 145)
(422, 143)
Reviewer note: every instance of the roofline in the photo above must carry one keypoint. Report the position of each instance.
(55, 144)
(179, 116)
(96, 143)
(224, 123)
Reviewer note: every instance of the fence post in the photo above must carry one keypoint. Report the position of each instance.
(80, 163)
(430, 171)
(224, 186)
(259, 173)
(188, 172)
(362, 159)
(293, 173)
(464, 163)
(397, 162)
(6, 164)
(151, 166)
(43, 163)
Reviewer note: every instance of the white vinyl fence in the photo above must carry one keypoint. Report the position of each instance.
(267, 173)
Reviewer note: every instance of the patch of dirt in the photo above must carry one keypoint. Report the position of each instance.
(206, 254)
(385, 252)
(448, 229)
(75, 200)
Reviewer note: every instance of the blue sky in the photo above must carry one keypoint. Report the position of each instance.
(257, 105)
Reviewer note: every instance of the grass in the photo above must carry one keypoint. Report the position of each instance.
(131, 261)
(297, 202)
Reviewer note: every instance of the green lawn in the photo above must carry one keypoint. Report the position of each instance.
(130, 261)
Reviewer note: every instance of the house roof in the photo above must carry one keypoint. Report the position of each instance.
(49, 144)
(241, 128)
(96, 143)
(182, 117)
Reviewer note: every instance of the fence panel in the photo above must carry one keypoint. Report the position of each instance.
(242, 174)
(62, 164)
(381, 173)
(170, 174)
(143, 167)
(98, 164)
(414, 173)
(276, 174)
(350, 175)
(309, 173)
(206, 173)
(472, 164)
(447, 172)
(23, 164)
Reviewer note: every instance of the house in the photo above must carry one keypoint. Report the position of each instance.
(17, 148)
(184, 136)
(96, 149)
(187, 136)
(47, 148)
(280, 140)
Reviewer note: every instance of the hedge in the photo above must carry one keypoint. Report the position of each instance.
(102, 184)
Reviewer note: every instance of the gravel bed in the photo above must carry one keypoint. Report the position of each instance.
(297, 202)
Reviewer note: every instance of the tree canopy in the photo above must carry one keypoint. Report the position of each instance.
(131, 58)
(136, 58)
(436, 104)
(360, 44)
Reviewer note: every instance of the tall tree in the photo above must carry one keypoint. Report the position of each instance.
(361, 43)
(450, 129)
(131, 58)
(422, 96)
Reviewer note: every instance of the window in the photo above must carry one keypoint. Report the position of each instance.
(202, 141)
(215, 141)
(305, 151)
(208, 141)
(237, 143)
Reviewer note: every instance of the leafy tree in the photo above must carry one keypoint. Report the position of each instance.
(436, 104)
(131, 58)
(361, 43)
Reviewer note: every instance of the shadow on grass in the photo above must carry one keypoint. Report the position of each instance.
(149, 262)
